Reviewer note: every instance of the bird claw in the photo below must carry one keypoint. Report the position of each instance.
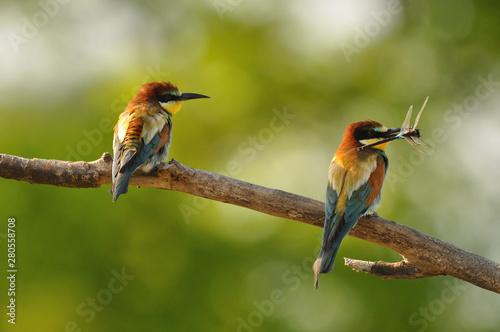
(167, 164)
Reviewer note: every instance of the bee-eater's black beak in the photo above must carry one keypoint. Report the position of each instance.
(394, 133)
(187, 96)
(387, 136)
(390, 134)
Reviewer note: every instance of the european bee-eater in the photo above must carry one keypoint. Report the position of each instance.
(355, 180)
(144, 131)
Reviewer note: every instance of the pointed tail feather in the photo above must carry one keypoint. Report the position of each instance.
(120, 185)
(325, 262)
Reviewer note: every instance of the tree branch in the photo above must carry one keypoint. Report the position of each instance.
(423, 255)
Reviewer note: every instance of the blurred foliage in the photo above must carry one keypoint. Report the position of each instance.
(224, 268)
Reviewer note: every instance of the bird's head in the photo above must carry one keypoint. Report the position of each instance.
(370, 134)
(166, 95)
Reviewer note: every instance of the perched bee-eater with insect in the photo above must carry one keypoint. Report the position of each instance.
(355, 179)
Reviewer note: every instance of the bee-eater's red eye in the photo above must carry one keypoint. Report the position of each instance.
(371, 132)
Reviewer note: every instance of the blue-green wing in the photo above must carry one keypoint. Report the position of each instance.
(357, 204)
(331, 201)
(127, 161)
(139, 157)
(337, 225)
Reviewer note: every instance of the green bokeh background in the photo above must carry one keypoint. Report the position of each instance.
(224, 268)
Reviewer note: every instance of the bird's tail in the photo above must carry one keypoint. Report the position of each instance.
(120, 185)
(325, 262)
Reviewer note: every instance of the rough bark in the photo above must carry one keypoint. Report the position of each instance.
(423, 255)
